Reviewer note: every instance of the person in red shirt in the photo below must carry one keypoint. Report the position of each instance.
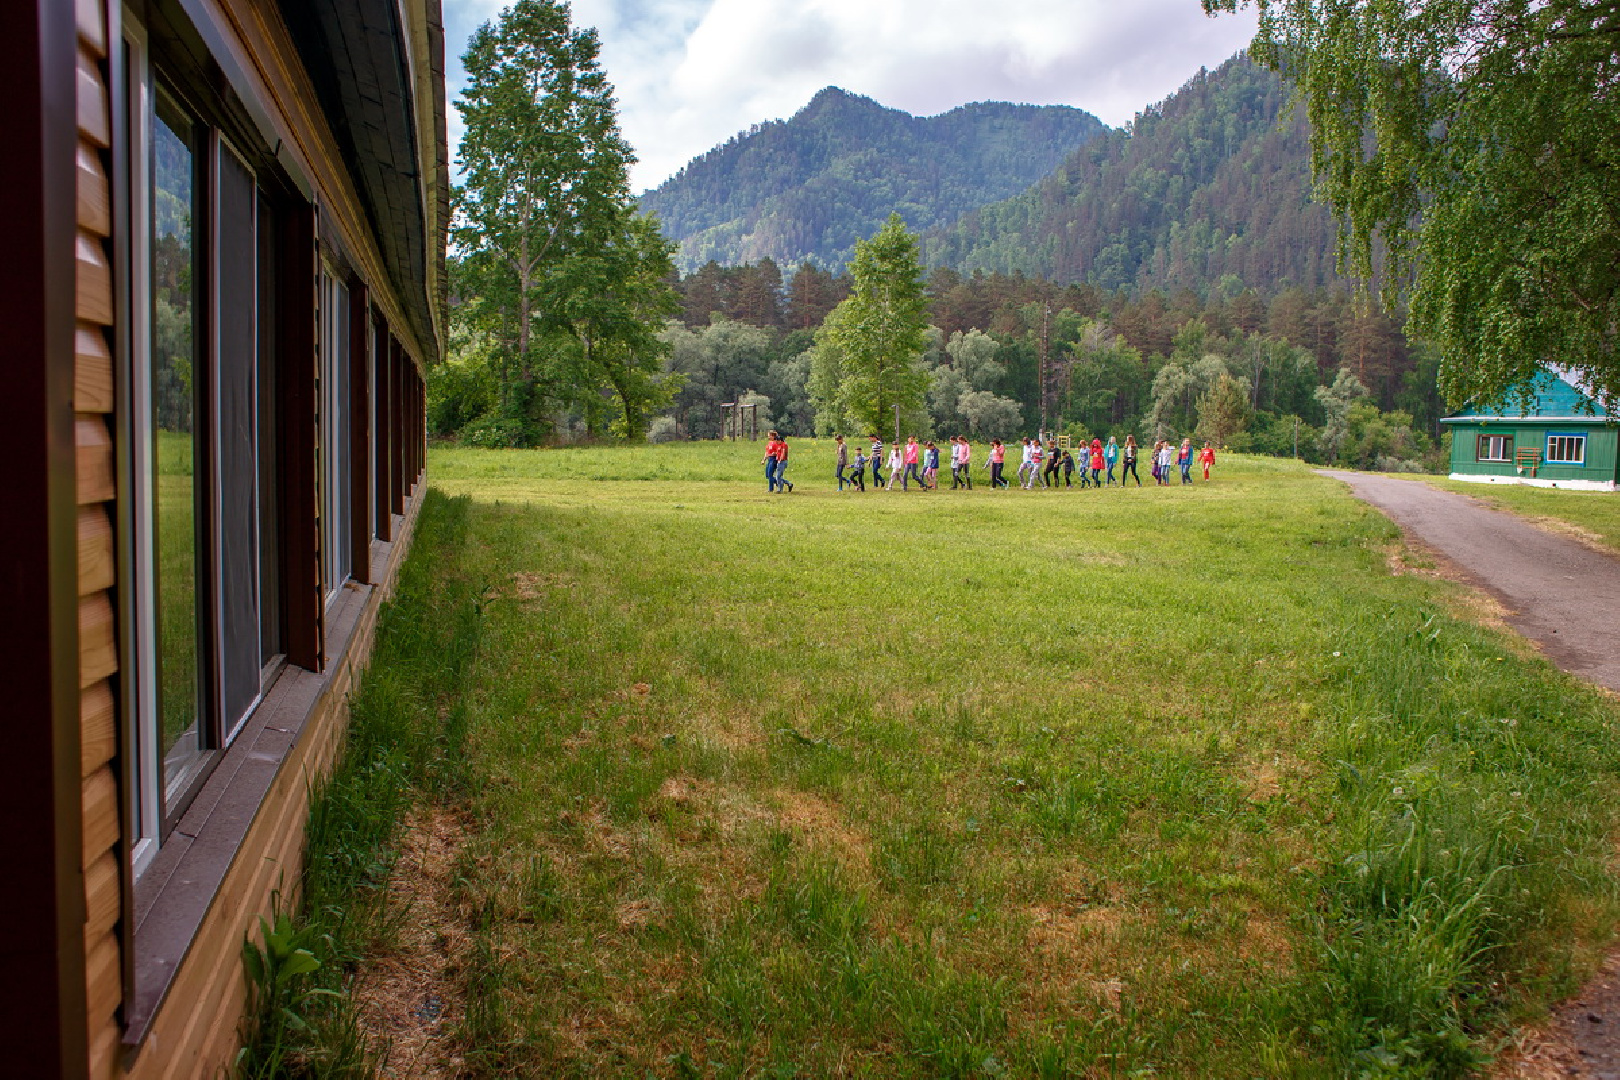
(1096, 463)
(775, 462)
(1206, 458)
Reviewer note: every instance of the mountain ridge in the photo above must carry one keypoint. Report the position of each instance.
(809, 187)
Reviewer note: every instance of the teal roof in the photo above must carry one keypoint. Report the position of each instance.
(1556, 396)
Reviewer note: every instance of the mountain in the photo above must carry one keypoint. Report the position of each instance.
(1213, 181)
(810, 186)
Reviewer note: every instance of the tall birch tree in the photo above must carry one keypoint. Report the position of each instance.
(557, 270)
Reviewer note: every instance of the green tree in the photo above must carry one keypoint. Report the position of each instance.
(865, 363)
(562, 278)
(1475, 147)
(1223, 410)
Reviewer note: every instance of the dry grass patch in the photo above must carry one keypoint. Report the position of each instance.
(410, 994)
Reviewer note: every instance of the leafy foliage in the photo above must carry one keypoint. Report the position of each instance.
(865, 364)
(557, 273)
(1477, 147)
(1211, 182)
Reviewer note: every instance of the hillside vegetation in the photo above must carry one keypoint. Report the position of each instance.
(810, 186)
(1213, 181)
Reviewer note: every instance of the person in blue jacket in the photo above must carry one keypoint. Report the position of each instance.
(1110, 456)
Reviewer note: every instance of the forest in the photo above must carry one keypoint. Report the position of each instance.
(1313, 365)
(1169, 279)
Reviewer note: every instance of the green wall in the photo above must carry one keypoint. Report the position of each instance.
(1602, 445)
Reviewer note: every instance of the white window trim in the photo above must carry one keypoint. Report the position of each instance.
(135, 400)
(1573, 437)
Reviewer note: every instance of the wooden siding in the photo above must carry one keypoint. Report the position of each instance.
(196, 1032)
(93, 405)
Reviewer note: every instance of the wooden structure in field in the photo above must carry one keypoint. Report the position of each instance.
(225, 233)
(1564, 436)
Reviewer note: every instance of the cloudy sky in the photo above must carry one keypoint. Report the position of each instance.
(692, 73)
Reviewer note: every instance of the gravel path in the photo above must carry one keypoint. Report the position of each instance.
(1559, 593)
(1564, 596)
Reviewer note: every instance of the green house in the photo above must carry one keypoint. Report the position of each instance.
(1565, 438)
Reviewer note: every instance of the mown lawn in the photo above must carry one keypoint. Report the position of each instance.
(1177, 782)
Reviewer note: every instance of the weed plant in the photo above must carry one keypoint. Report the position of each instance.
(1175, 782)
(406, 742)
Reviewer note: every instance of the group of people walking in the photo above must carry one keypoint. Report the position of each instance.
(1041, 464)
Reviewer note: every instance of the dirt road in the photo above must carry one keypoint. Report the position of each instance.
(1559, 593)
(1565, 597)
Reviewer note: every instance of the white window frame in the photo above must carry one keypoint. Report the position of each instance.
(1507, 441)
(137, 569)
(1571, 440)
(337, 403)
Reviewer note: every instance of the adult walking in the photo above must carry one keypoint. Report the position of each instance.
(783, 484)
(1129, 457)
(1184, 458)
(843, 461)
(773, 442)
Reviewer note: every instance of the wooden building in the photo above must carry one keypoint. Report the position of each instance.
(223, 234)
(1563, 436)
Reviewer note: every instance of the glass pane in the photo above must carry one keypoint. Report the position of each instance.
(236, 442)
(172, 427)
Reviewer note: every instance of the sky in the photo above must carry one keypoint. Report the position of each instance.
(692, 73)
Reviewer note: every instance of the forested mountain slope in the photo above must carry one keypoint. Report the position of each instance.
(810, 186)
(1207, 183)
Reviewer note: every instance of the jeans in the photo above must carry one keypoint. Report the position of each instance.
(995, 475)
(1129, 469)
(841, 480)
(770, 474)
(911, 473)
(1186, 472)
(1096, 477)
(1111, 474)
(781, 475)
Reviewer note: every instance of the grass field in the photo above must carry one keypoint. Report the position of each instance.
(1179, 782)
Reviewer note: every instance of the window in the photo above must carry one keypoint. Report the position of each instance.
(1566, 450)
(198, 434)
(1494, 448)
(335, 468)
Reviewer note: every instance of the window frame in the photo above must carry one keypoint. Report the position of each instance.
(1507, 440)
(1576, 438)
(336, 404)
(155, 805)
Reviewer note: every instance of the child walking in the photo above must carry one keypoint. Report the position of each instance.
(1129, 468)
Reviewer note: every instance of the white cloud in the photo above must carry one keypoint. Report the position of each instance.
(692, 73)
